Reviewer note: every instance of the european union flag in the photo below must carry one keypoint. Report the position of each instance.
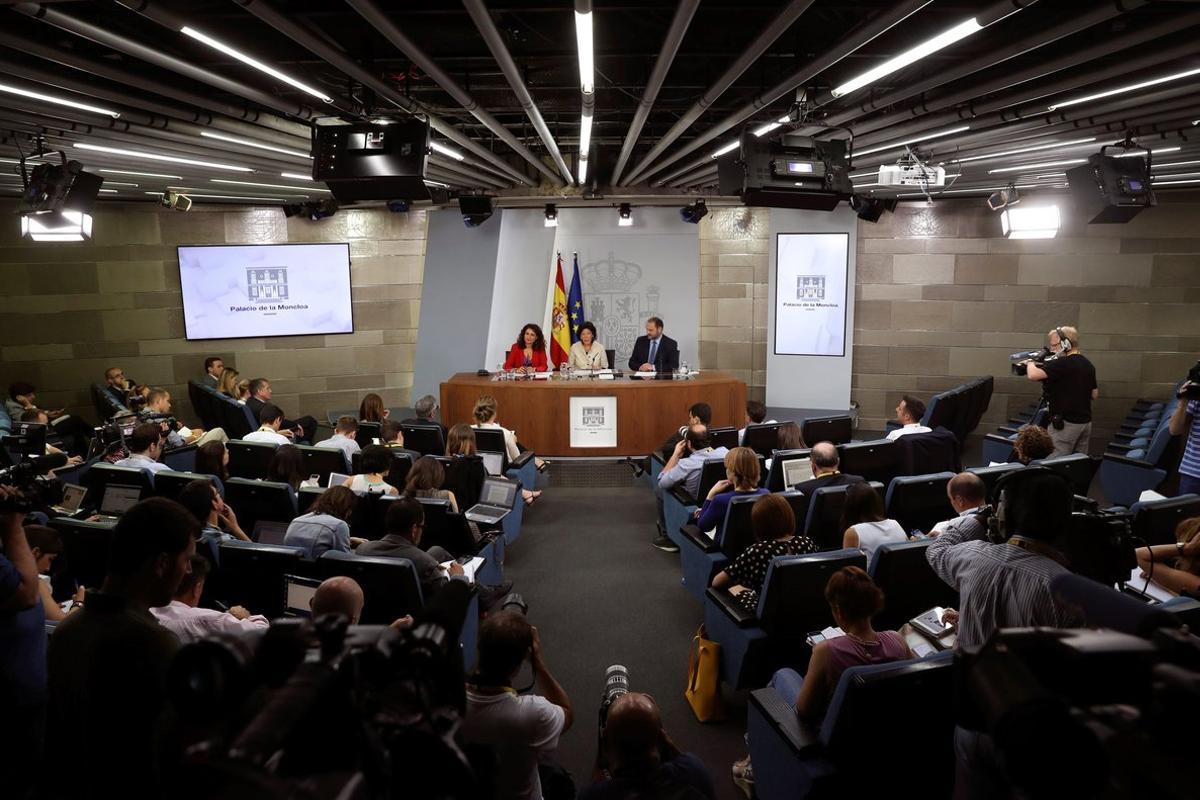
(575, 303)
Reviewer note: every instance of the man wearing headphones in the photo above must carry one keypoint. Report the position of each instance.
(1070, 388)
(1004, 583)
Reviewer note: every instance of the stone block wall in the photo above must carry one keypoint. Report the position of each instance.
(943, 297)
(72, 310)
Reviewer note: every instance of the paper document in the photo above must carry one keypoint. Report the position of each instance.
(1152, 589)
(1148, 495)
(469, 569)
(185, 432)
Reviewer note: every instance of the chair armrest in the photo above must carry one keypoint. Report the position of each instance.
(657, 456)
(522, 459)
(732, 608)
(801, 736)
(693, 534)
(1006, 430)
(1125, 460)
(1117, 448)
(681, 494)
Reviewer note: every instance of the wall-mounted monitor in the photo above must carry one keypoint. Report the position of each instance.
(811, 293)
(249, 290)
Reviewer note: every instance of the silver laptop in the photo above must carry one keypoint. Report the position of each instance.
(268, 532)
(495, 501)
(297, 595)
(493, 463)
(797, 470)
(337, 479)
(71, 500)
(118, 499)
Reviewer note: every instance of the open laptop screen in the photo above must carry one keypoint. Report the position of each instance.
(72, 497)
(497, 492)
(267, 532)
(298, 594)
(119, 499)
(796, 471)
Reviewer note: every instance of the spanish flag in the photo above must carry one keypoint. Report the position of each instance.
(560, 330)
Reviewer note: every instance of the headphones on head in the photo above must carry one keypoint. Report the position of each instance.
(1064, 343)
(999, 498)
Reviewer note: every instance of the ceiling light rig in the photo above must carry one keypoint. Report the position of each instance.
(253, 62)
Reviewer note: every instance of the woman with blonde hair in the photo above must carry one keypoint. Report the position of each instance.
(741, 479)
(227, 385)
(1175, 566)
(485, 418)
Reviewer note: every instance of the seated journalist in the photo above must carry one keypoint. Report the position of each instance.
(1175, 566)
(654, 352)
(213, 367)
(741, 480)
(190, 623)
(528, 353)
(587, 353)
(774, 525)
(825, 462)
(424, 409)
(260, 395)
(145, 448)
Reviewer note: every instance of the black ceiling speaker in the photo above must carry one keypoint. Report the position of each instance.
(369, 161)
(475, 209)
(1109, 189)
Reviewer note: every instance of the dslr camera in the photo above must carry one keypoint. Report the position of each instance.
(1190, 389)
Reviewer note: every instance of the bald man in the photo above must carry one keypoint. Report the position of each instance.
(342, 595)
(968, 495)
(825, 470)
(642, 760)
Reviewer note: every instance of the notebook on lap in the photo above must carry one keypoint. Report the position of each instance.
(495, 501)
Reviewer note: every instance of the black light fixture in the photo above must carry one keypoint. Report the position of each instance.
(475, 209)
(695, 212)
(398, 206)
(870, 209)
(551, 216)
(57, 202)
(625, 215)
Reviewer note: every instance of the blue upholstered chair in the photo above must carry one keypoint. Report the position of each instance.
(918, 502)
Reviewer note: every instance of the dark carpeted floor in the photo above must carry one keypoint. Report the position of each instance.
(599, 595)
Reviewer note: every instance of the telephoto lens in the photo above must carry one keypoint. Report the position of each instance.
(616, 683)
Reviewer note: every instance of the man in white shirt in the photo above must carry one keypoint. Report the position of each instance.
(271, 418)
(145, 446)
(343, 439)
(684, 466)
(182, 617)
(522, 730)
(908, 413)
(968, 494)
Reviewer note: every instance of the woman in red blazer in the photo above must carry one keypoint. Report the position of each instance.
(528, 353)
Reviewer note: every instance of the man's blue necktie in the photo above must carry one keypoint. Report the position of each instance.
(654, 352)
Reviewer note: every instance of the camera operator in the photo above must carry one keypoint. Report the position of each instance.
(158, 408)
(1004, 586)
(1187, 412)
(521, 731)
(642, 760)
(22, 657)
(1069, 387)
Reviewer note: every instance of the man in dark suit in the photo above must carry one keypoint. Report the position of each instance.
(425, 409)
(824, 458)
(213, 367)
(654, 352)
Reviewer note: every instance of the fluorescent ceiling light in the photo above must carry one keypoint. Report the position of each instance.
(253, 62)
(118, 151)
(437, 147)
(944, 39)
(1176, 164)
(583, 40)
(189, 191)
(143, 174)
(1133, 87)
(1051, 175)
(119, 183)
(873, 173)
(940, 192)
(1054, 146)
(1175, 183)
(585, 135)
(230, 197)
(770, 126)
(1029, 222)
(62, 101)
(583, 170)
(729, 148)
(251, 143)
(914, 140)
(1043, 165)
(428, 182)
(1142, 153)
(30, 160)
(271, 185)
(108, 191)
(296, 176)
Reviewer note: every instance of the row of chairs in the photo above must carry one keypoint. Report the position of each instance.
(1142, 453)
(254, 575)
(958, 410)
(217, 410)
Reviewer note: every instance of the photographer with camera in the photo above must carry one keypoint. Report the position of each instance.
(1069, 387)
(642, 761)
(520, 730)
(158, 409)
(22, 655)
(1187, 412)
(1004, 583)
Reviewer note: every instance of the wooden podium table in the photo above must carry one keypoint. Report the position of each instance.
(647, 410)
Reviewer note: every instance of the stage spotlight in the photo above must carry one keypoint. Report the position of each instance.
(870, 209)
(175, 201)
(57, 203)
(695, 212)
(551, 216)
(625, 215)
(1008, 196)
(318, 209)
(398, 206)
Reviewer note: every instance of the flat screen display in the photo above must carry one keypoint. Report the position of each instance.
(810, 294)
(248, 290)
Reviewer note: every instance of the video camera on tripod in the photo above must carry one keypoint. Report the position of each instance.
(30, 474)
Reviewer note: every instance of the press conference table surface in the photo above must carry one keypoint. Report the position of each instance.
(647, 410)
